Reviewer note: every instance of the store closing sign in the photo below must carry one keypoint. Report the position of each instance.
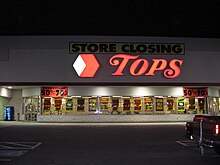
(54, 91)
(123, 48)
(195, 92)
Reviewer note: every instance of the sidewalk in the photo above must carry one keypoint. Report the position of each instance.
(115, 118)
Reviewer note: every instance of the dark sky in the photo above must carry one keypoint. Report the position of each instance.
(91, 17)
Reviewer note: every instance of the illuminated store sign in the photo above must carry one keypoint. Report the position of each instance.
(139, 66)
(128, 59)
(86, 65)
(138, 48)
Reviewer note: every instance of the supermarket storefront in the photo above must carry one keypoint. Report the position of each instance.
(80, 78)
(108, 102)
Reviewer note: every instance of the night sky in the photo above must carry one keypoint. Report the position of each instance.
(125, 18)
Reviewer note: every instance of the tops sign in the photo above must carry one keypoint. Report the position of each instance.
(131, 48)
(128, 58)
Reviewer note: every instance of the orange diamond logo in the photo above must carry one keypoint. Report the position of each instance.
(86, 65)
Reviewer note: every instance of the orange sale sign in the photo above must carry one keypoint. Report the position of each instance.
(54, 91)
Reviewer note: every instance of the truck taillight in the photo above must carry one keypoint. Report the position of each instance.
(216, 129)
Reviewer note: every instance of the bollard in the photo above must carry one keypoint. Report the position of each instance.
(18, 116)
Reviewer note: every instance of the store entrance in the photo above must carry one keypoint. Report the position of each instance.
(31, 108)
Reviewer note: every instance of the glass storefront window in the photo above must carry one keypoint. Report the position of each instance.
(52, 106)
(137, 105)
(181, 105)
(80, 104)
(148, 105)
(213, 106)
(201, 106)
(32, 104)
(92, 104)
(69, 105)
(192, 105)
(31, 107)
(3, 103)
(46, 106)
(126, 106)
(58, 105)
(196, 105)
(159, 104)
(170, 104)
(115, 106)
(104, 105)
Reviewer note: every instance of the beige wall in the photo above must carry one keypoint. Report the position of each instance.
(17, 102)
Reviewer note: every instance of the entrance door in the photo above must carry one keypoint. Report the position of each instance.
(32, 108)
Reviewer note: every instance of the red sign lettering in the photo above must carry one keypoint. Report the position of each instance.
(170, 69)
(195, 92)
(54, 91)
(158, 64)
(125, 58)
(135, 65)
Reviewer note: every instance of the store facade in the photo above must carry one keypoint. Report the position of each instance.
(107, 79)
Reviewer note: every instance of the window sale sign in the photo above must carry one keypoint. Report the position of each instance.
(54, 91)
(195, 92)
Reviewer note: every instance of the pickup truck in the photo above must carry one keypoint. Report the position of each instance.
(204, 130)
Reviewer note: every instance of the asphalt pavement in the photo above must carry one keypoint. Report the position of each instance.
(99, 144)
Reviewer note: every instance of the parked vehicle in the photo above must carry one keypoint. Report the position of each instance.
(204, 130)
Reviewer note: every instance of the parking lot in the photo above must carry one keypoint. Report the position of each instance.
(99, 143)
